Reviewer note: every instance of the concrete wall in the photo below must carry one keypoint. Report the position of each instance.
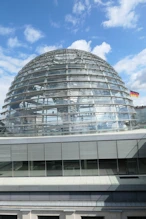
(102, 146)
(73, 214)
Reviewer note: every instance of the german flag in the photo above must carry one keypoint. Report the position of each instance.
(134, 94)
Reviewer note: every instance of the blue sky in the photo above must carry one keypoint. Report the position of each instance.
(115, 30)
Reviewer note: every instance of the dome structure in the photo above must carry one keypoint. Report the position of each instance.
(66, 92)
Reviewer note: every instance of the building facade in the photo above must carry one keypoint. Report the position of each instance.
(70, 150)
(141, 115)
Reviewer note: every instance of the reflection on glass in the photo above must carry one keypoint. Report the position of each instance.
(5, 169)
(89, 167)
(128, 166)
(54, 168)
(108, 167)
(142, 165)
(71, 168)
(20, 168)
(37, 168)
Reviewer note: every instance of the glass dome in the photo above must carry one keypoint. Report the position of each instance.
(65, 92)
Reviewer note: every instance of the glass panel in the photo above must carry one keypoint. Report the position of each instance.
(8, 216)
(85, 100)
(54, 168)
(127, 166)
(119, 100)
(114, 86)
(37, 168)
(79, 84)
(106, 108)
(123, 116)
(94, 217)
(142, 165)
(97, 78)
(5, 169)
(136, 217)
(85, 108)
(101, 92)
(78, 78)
(99, 85)
(48, 217)
(71, 168)
(20, 168)
(89, 167)
(105, 116)
(108, 167)
(116, 93)
(103, 100)
(121, 109)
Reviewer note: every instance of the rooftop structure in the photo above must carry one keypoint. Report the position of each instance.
(67, 92)
(71, 151)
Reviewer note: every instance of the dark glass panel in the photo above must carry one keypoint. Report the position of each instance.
(48, 217)
(89, 167)
(20, 168)
(37, 168)
(128, 166)
(5, 169)
(71, 168)
(142, 165)
(54, 168)
(108, 167)
(8, 216)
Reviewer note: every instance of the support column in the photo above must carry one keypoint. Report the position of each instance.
(69, 214)
(26, 214)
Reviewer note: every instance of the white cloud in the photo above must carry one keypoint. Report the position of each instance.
(140, 101)
(5, 83)
(9, 67)
(54, 24)
(71, 19)
(32, 35)
(45, 48)
(78, 7)
(14, 42)
(98, 1)
(100, 50)
(123, 15)
(139, 29)
(6, 30)
(80, 10)
(12, 65)
(81, 44)
(132, 63)
(134, 67)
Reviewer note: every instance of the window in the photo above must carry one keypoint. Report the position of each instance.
(48, 217)
(128, 166)
(37, 168)
(5, 169)
(8, 216)
(20, 168)
(96, 217)
(142, 165)
(89, 167)
(108, 166)
(54, 168)
(136, 217)
(71, 168)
